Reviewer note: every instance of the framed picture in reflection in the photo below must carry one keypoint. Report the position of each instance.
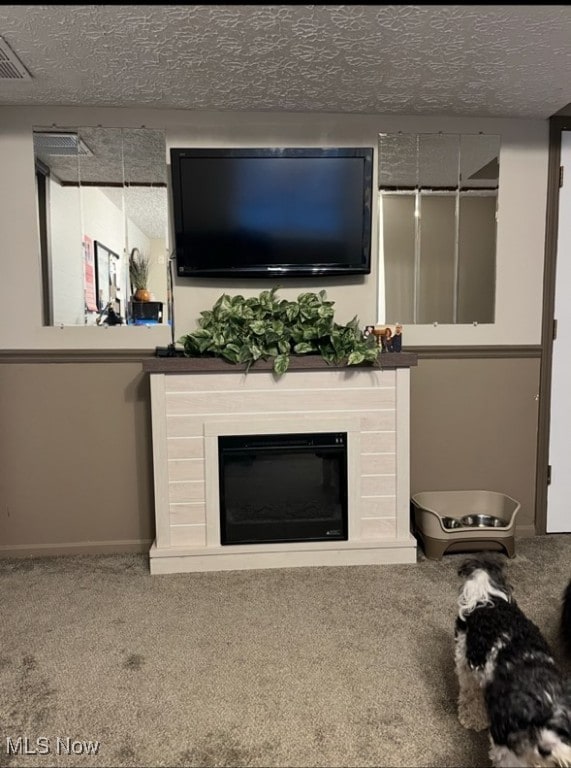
(107, 278)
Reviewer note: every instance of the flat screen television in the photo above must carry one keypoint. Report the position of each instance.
(293, 212)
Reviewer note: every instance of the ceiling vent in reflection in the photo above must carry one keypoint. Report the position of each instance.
(11, 68)
(62, 144)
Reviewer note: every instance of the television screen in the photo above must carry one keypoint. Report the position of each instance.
(272, 212)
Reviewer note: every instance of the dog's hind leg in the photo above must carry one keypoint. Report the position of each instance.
(472, 711)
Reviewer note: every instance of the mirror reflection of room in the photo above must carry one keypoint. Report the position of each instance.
(437, 226)
(102, 195)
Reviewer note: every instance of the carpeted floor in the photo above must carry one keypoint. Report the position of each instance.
(299, 667)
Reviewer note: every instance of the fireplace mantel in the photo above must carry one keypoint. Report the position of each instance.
(388, 360)
(196, 400)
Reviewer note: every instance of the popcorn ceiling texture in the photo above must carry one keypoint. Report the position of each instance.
(123, 156)
(498, 61)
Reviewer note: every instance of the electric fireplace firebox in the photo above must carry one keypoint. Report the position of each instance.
(283, 488)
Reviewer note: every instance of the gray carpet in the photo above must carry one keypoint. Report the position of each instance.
(298, 667)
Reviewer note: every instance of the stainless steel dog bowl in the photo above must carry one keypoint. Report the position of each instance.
(451, 522)
(464, 521)
(483, 521)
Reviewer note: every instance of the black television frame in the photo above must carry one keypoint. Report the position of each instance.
(359, 266)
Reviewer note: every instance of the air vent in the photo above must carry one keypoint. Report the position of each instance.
(11, 68)
(61, 144)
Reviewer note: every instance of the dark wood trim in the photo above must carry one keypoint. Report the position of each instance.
(297, 363)
(481, 352)
(407, 358)
(556, 126)
(41, 167)
(121, 184)
(390, 188)
(75, 355)
(43, 200)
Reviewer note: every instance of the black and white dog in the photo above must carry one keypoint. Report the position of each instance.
(566, 619)
(508, 679)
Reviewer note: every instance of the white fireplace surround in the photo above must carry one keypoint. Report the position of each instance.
(190, 410)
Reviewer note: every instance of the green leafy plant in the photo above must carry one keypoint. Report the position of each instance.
(266, 327)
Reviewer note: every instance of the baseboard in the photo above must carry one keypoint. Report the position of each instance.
(524, 531)
(177, 560)
(126, 546)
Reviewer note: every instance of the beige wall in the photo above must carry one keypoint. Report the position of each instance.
(75, 458)
(521, 220)
(75, 447)
(436, 269)
(474, 427)
(476, 247)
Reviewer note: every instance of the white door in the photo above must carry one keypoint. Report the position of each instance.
(559, 491)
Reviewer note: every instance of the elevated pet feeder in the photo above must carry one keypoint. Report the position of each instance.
(464, 521)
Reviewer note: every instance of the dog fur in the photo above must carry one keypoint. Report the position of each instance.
(566, 619)
(507, 675)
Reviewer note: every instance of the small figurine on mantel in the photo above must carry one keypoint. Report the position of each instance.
(388, 340)
(397, 338)
(369, 329)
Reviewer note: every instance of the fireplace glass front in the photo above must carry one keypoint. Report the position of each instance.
(283, 488)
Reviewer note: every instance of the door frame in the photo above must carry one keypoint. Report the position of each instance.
(556, 127)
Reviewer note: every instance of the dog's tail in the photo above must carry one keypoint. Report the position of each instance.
(484, 583)
(566, 618)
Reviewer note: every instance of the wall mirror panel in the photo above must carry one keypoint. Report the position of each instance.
(102, 196)
(437, 227)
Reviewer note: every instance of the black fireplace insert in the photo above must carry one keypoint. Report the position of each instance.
(283, 488)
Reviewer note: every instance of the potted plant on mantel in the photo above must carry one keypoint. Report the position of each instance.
(265, 327)
(139, 275)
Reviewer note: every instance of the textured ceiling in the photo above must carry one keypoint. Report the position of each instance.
(438, 161)
(508, 61)
(117, 156)
(145, 206)
(127, 164)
